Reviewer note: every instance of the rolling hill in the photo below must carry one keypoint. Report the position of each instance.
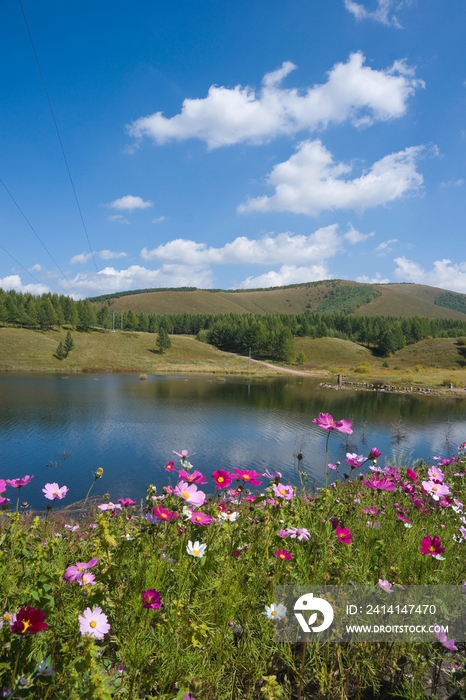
(328, 295)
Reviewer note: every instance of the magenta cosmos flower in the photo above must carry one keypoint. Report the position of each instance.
(183, 454)
(385, 585)
(194, 478)
(170, 467)
(190, 494)
(2, 485)
(94, 622)
(374, 454)
(53, 491)
(248, 475)
(164, 514)
(151, 599)
(354, 460)
(126, 502)
(432, 546)
(381, 483)
(283, 554)
(411, 474)
(19, 483)
(344, 535)
(28, 621)
(200, 518)
(325, 421)
(222, 479)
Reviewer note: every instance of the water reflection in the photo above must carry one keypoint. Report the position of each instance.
(130, 427)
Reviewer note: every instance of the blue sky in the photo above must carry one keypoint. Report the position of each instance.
(233, 144)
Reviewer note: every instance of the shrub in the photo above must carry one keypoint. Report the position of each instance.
(362, 368)
(385, 363)
(419, 368)
(398, 367)
(301, 358)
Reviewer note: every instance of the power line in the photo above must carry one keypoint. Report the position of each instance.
(37, 236)
(18, 263)
(59, 138)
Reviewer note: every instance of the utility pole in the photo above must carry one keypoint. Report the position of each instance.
(121, 317)
(113, 321)
(249, 358)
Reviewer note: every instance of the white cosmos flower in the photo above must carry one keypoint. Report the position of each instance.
(229, 516)
(197, 549)
(275, 612)
(187, 513)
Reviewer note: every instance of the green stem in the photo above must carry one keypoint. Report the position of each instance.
(90, 489)
(13, 677)
(17, 500)
(326, 459)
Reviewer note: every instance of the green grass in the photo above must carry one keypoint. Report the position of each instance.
(190, 643)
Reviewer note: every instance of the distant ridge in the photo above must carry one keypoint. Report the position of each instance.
(325, 296)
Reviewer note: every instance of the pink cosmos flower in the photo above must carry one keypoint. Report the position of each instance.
(199, 518)
(385, 585)
(435, 474)
(164, 514)
(183, 454)
(126, 502)
(355, 461)
(411, 474)
(170, 467)
(250, 498)
(272, 475)
(299, 532)
(87, 579)
(282, 491)
(151, 599)
(432, 546)
(2, 485)
(374, 454)
(93, 622)
(344, 535)
(325, 421)
(190, 494)
(332, 466)
(248, 475)
(284, 533)
(402, 518)
(283, 554)
(75, 572)
(109, 506)
(436, 489)
(53, 491)
(222, 479)
(4, 502)
(381, 483)
(373, 511)
(19, 483)
(447, 643)
(71, 528)
(194, 478)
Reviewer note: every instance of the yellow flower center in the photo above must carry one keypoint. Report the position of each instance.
(55, 493)
(245, 477)
(198, 518)
(26, 624)
(164, 515)
(274, 612)
(7, 617)
(93, 624)
(431, 549)
(195, 552)
(220, 479)
(282, 556)
(80, 568)
(282, 491)
(185, 494)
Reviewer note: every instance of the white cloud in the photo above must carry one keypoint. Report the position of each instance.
(159, 219)
(445, 274)
(311, 182)
(136, 277)
(103, 255)
(287, 274)
(453, 183)
(285, 248)
(383, 12)
(354, 236)
(373, 280)
(119, 219)
(384, 247)
(35, 268)
(233, 115)
(129, 202)
(14, 282)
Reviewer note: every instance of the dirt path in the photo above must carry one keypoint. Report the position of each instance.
(296, 372)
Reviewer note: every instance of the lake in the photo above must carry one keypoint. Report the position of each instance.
(62, 429)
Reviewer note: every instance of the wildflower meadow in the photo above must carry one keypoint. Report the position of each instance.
(173, 597)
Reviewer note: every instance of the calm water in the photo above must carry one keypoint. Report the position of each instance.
(63, 429)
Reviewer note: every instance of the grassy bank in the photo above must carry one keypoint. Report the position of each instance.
(209, 634)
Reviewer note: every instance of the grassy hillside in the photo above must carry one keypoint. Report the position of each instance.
(25, 350)
(393, 300)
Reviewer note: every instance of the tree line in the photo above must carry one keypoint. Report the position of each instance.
(268, 335)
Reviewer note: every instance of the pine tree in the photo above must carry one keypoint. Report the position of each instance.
(69, 343)
(163, 340)
(60, 352)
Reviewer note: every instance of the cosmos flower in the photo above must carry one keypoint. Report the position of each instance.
(272, 475)
(299, 532)
(194, 478)
(196, 550)
(275, 612)
(435, 489)
(222, 479)
(44, 669)
(435, 474)
(248, 475)
(447, 643)
(170, 467)
(325, 421)
(283, 554)
(385, 585)
(190, 493)
(282, 491)
(374, 454)
(28, 620)
(432, 546)
(411, 474)
(164, 514)
(126, 502)
(354, 460)
(87, 579)
(344, 535)
(19, 483)
(229, 515)
(94, 622)
(200, 518)
(109, 506)
(151, 599)
(380, 483)
(53, 491)
(75, 572)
